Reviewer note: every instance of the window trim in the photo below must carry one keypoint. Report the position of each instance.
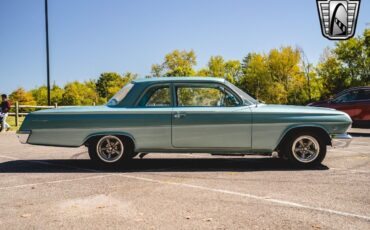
(145, 91)
(175, 97)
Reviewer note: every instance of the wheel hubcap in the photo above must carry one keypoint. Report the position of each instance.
(305, 149)
(110, 149)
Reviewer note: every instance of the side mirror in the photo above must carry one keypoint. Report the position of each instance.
(230, 100)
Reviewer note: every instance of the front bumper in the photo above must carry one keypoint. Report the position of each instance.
(23, 136)
(341, 140)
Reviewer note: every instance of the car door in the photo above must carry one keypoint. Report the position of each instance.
(363, 101)
(152, 118)
(208, 115)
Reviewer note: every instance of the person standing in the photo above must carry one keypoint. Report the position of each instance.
(5, 107)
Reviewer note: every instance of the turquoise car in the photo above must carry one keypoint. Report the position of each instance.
(189, 115)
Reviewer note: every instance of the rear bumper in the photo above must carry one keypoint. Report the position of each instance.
(341, 140)
(23, 136)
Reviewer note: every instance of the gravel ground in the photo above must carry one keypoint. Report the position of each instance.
(44, 188)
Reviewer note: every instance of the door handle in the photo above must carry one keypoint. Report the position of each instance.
(179, 115)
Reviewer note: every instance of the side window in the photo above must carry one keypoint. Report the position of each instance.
(156, 97)
(364, 94)
(205, 96)
(347, 97)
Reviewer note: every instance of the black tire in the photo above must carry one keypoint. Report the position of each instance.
(298, 158)
(97, 154)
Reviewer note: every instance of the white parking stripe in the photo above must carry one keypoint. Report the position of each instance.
(271, 200)
(350, 170)
(53, 182)
(251, 196)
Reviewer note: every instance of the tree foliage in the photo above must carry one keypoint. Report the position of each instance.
(22, 96)
(347, 65)
(283, 75)
(176, 63)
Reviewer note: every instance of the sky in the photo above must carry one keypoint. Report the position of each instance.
(88, 37)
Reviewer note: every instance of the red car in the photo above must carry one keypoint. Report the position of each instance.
(354, 101)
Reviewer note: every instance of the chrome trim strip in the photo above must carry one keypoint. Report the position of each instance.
(341, 140)
(23, 136)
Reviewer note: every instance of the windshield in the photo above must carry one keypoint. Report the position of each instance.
(120, 95)
(242, 94)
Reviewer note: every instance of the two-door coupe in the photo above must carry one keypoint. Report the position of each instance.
(189, 115)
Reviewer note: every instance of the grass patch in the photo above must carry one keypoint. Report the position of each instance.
(11, 122)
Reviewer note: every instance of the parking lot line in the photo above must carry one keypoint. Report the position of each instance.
(350, 170)
(228, 192)
(53, 182)
(271, 200)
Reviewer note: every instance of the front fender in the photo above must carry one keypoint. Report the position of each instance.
(302, 126)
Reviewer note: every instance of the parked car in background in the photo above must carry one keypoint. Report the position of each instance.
(354, 101)
(189, 115)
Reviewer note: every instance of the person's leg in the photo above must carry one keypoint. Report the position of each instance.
(6, 126)
(2, 123)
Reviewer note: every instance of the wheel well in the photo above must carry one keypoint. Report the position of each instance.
(320, 131)
(124, 137)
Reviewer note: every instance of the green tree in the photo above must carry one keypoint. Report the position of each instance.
(40, 95)
(77, 93)
(216, 66)
(233, 70)
(157, 70)
(110, 83)
(56, 94)
(354, 57)
(274, 78)
(204, 72)
(283, 65)
(346, 65)
(256, 78)
(176, 63)
(332, 76)
(22, 96)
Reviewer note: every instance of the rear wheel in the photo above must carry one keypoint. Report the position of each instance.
(110, 150)
(304, 149)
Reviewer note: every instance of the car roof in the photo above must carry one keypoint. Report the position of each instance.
(179, 79)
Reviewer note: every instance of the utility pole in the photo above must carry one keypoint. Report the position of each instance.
(47, 50)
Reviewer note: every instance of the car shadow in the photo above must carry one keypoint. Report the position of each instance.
(153, 165)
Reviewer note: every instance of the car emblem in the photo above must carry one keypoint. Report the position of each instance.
(338, 18)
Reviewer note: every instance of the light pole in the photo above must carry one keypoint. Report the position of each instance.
(47, 50)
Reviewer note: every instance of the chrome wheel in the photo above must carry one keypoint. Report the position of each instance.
(110, 149)
(305, 149)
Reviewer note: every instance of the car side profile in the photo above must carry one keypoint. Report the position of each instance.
(354, 101)
(189, 115)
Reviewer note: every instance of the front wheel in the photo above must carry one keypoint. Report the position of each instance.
(109, 150)
(305, 149)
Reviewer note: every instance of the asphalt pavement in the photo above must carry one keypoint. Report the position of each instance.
(48, 188)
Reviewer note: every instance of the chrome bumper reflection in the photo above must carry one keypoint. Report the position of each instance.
(341, 140)
(23, 136)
